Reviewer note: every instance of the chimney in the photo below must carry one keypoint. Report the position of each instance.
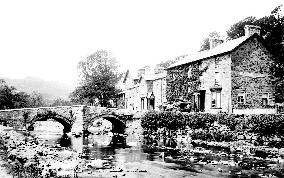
(141, 72)
(158, 70)
(251, 29)
(214, 42)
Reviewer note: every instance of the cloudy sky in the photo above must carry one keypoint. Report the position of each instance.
(46, 39)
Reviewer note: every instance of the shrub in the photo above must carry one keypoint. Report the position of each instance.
(263, 125)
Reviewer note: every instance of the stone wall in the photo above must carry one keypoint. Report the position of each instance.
(218, 73)
(136, 93)
(183, 81)
(159, 91)
(251, 75)
(132, 98)
(16, 119)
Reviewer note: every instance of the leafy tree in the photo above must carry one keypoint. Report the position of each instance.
(237, 29)
(206, 41)
(99, 75)
(21, 100)
(61, 102)
(37, 100)
(6, 95)
(10, 98)
(272, 30)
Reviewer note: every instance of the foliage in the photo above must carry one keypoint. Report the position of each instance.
(237, 29)
(36, 100)
(183, 81)
(206, 41)
(99, 76)
(6, 96)
(212, 135)
(61, 102)
(11, 98)
(229, 120)
(204, 126)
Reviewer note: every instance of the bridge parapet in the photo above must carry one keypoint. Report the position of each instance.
(76, 118)
(25, 117)
(116, 116)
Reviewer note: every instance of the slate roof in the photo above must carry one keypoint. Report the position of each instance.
(155, 76)
(218, 50)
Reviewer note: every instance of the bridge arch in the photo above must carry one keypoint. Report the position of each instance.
(64, 121)
(118, 126)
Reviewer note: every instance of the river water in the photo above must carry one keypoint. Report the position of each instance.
(114, 158)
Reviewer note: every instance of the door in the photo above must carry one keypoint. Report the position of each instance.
(202, 100)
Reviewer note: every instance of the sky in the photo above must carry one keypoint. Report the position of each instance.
(47, 39)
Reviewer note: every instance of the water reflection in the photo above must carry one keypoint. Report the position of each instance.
(64, 141)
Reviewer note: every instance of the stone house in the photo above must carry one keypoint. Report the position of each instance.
(145, 90)
(232, 77)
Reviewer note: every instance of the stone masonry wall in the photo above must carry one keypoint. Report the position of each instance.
(218, 73)
(132, 98)
(202, 76)
(251, 64)
(15, 117)
(159, 90)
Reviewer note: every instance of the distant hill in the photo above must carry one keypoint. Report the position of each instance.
(51, 90)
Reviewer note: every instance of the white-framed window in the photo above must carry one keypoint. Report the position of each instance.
(241, 98)
(265, 99)
(216, 99)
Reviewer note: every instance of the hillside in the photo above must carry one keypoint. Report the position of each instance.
(49, 89)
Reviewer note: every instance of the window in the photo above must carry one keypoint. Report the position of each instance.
(142, 103)
(241, 98)
(216, 99)
(217, 78)
(264, 99)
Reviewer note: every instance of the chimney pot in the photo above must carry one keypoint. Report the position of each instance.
(214, 42)
(251, 29)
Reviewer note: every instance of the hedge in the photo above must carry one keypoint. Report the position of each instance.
(263, 124)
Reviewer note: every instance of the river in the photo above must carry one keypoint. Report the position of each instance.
(133, 159)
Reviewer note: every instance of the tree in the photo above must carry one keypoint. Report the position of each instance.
(6, 95)
(61, 102)
(37, 100)
(10, 98)
(206, 41)
(237, 29)
(99, 76)
(21, 100)
(272, 30)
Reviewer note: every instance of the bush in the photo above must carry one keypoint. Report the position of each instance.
(266, 125)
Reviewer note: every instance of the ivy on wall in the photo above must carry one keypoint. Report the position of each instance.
(183, 81)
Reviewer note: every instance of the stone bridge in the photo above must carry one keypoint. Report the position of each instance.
(75, 119)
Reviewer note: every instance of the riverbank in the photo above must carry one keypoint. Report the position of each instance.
(27, 157)
(4, 172)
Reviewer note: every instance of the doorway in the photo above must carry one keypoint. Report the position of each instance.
(199, 101)
(202, 100)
